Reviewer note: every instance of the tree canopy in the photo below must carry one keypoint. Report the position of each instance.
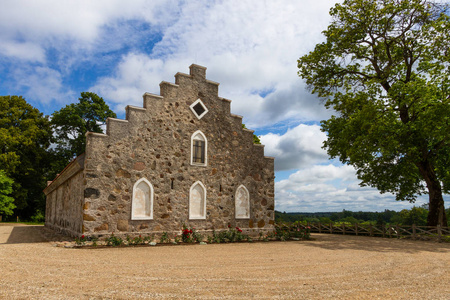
(71, 123)
(6, 202)
(385, 71)
(24, 138)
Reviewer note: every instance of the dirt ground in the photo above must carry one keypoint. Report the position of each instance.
(331, 266)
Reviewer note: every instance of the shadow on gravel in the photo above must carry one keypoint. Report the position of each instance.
(378, 244)
(25, 234)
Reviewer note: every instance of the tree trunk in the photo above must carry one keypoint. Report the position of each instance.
(436, 213)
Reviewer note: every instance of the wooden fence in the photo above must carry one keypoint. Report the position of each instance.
(392, 231)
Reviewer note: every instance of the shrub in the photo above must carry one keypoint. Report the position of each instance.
(114, 241)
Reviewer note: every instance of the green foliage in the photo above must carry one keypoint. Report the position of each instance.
(38, 217)
(287, 231)
(133, 241)
(114, 241)
(81, 241)
(6, 202)
(24, 139)
(385, 70)
(228, 236)
(256, 139)
(415, 215)
(190, 235)
(164, 238)
(71, 123)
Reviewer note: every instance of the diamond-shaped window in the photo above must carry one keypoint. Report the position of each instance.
(199, 109)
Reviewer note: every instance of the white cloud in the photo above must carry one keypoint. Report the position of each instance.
(249, 47)
(297, 148)
(24, 51)
(331, 188)
(80, 20)
(42, 83)
(136, 74)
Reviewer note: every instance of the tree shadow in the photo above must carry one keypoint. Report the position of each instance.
(377, 244)
(26, 234)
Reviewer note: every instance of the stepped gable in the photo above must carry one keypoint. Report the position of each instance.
(181, 159)
(168, 92)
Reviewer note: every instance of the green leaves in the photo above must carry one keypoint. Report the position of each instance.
(6, 202)
(385, 68)
(24, 137)
(71, 123)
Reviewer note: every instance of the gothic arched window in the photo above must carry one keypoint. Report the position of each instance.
(197, 201)
(242, 203)
(142, 202)
(199, 149)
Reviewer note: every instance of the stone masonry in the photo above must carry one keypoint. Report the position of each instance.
(94, 194)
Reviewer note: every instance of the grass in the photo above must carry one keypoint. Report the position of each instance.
(23, 222)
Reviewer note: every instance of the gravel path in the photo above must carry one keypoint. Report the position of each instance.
(331, 266)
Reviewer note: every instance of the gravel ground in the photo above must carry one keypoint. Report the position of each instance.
(331, 266)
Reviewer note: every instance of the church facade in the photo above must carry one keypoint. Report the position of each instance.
(181, 159)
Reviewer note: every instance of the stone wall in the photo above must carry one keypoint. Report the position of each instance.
(65, 198)
(154, 142)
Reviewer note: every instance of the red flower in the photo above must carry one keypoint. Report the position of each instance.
(82, 236)
(240, 230)
(229, 226)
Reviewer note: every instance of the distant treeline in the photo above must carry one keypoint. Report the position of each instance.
(415, 215)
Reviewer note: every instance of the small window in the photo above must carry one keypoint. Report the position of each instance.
(197, 201)
(199, 109)
(198, 149)
(242, 203)
(142, 203)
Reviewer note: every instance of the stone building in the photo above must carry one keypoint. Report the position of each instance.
(182, 158)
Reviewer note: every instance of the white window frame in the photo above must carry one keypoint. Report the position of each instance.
(192, 149)
(203, 217)
(236, 203)
(202, 104)
(151, 200)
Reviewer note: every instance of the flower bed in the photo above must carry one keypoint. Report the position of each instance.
(282, 232)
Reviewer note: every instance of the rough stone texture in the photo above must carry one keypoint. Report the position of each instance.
(154, 142)
(66, 203)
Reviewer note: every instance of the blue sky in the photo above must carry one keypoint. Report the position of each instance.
(50, 51)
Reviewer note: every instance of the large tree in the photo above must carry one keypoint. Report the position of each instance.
(6, 202)
(24, 139)
(385, 71)
(71, 123)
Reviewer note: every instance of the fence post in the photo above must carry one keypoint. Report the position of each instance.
(356, 228)
(384, 229)
(414, 231)
(320, 228)
(398, 231)
(331, 228)
(371, 229)
(343, 228)
(439, 232)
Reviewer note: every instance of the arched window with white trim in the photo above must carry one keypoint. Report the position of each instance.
(199, 149)
(242, 203)
(197, 201)
(142, 202)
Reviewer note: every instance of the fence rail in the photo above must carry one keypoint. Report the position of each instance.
(397, 231)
